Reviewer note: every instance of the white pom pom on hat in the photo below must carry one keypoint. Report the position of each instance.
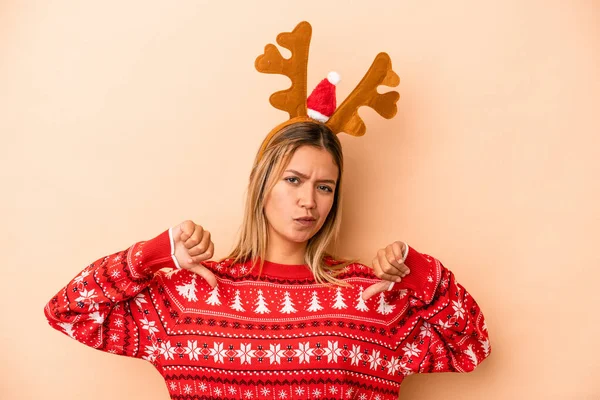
(333, 77)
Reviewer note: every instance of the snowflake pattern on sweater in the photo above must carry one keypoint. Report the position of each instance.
(276, 334)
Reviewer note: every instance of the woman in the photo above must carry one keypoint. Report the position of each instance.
(278, 318)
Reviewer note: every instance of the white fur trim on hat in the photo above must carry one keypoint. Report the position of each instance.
(317, 115)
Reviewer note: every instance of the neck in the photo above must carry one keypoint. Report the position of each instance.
(286, 253)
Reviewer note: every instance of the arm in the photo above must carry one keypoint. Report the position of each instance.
(451, 334)
(101, 307)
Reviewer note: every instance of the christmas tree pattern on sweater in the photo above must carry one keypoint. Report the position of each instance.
(277, 335)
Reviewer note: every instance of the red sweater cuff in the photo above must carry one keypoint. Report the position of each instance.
(424, 277)
(150, 256)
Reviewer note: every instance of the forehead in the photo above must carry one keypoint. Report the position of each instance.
(312, 160)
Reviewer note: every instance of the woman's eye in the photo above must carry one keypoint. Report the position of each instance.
(292, 179)
(326, 189)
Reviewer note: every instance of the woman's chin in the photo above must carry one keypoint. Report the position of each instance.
(299, 238)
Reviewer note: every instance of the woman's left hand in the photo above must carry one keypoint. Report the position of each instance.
(389, 266)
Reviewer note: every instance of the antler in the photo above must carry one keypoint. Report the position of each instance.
(346, 118)
(292, 100)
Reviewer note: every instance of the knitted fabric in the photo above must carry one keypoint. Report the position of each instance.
(279, 335)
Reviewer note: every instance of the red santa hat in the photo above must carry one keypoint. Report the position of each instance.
(321, 102)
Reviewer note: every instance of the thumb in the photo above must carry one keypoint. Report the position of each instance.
(205, 273)
(376, 288)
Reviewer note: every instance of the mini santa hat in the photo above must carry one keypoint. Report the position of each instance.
(321, 103)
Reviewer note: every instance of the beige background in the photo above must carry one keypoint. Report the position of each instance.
(120, 119)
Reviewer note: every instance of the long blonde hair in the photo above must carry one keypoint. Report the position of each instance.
(268, 165)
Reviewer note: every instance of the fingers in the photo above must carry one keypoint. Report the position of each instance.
(396, 254)
(193, 244)
(375, 288)
(186, 229)
(191, 235)
(207, 255)
(205, 273)
(388, 261)
(386, 272)
(197, 247)
(196, 241)
(389, 266)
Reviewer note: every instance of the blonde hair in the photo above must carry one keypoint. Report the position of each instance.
(269, 164)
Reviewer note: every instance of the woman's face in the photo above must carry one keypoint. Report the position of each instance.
(299, 203)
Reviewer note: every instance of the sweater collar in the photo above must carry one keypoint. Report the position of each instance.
(277, 270)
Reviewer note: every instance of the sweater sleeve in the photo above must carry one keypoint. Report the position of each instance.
(101, 306)
(450, 334)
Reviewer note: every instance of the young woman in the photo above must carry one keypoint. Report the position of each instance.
(279, 318)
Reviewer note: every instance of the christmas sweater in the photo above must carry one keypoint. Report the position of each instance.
(275, 333)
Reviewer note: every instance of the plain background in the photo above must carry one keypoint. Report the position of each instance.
(121, 119)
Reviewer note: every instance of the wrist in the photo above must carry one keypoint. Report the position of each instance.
(172, 241)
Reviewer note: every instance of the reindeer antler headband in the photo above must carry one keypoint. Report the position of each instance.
(321, 103)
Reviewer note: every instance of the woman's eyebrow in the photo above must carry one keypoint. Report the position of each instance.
(301, 175)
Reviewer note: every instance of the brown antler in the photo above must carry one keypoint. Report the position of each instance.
(292, 100)
(346, 118)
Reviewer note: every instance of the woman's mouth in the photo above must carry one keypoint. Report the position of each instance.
(305, 221)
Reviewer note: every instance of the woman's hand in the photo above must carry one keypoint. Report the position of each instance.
(389, 266)
(193, 245)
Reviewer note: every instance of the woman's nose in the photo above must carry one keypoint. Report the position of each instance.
(307, 197)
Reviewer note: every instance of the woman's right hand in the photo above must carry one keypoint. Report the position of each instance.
(193, 245)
